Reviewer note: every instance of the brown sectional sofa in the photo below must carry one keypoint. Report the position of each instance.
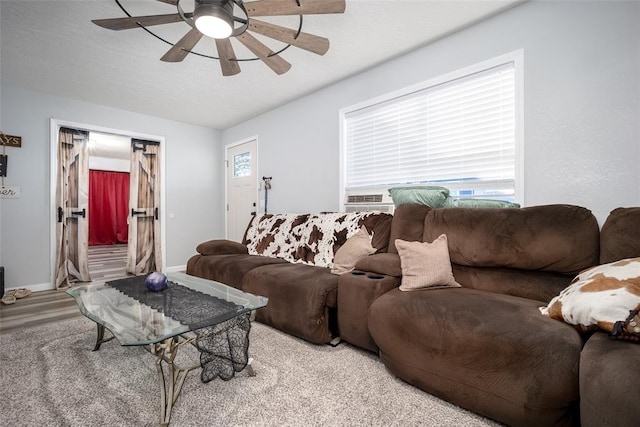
(288, 263)
(484, 346)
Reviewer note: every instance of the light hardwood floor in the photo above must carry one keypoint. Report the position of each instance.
(105, 263)
(38, 308)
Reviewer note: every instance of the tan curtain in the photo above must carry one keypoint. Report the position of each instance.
(71, 208)
(144, 254)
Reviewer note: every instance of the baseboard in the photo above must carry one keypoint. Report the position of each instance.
(177, 269)
(34, 288)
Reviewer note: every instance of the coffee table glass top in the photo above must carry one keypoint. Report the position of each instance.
(133, 323)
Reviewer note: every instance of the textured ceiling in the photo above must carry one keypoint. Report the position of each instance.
(52, 47)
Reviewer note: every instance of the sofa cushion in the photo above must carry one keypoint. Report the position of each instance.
(227, 268)
(601, 296)
(558, 238)
(221, 246)
(537, 285)
(490, 353)
(620, 235)
(425, 265)
(299, 298)
(407, 224)
(386, 264)
(312, 239)
(355, 248)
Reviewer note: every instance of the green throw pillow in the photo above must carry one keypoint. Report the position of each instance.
(432, 196)
(477, 203)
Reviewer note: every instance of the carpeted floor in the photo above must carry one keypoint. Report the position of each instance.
(51, 377)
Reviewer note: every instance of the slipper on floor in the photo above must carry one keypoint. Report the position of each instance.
(22, 293)
(9, 297)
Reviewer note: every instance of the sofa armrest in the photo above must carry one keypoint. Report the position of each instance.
(356, 292)
(608, 389)
(384, 263)
(221, 247)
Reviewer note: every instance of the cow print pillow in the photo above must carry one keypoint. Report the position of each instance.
(605, 297)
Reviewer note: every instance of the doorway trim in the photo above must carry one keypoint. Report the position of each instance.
(55, 125)
(226, 178)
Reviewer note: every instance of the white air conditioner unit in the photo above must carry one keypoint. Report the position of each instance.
(367, 201)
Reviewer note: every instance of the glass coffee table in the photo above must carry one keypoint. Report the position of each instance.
(191, 310)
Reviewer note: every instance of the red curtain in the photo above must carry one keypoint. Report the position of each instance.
(108, 207)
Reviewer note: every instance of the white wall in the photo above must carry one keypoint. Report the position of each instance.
(582, 110)
(107, 164)
(194, 197)
(582, 130)
(109, 152)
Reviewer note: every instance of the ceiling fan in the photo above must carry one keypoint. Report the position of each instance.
(226, 19)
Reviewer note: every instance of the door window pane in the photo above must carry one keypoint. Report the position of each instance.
(242, 165)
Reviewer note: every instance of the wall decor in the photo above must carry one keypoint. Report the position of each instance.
(10, 140)
(3, 165)
(9, 192)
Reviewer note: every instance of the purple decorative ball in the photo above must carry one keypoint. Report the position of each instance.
(156, 282)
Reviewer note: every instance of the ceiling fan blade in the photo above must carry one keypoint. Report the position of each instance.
(290, 7)
(171, 2)
(227, 57)
(275, 62)
(306, 41)
(132, 22)
(181, 49)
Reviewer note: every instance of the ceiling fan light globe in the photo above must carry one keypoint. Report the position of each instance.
(214, 27)
(214, 20)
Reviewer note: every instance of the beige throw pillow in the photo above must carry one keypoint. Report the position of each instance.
(355, 248)
(425, 265)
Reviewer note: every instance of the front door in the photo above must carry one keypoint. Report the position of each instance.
(144, 253)
(72, 208)
(242, 187)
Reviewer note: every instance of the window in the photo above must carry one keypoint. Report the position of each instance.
(242, 165)
(458, 132)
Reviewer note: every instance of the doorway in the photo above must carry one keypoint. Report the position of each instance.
(147, 190)
(242, 186)
(109, 173)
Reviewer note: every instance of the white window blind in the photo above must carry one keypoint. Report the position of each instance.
(459, 134)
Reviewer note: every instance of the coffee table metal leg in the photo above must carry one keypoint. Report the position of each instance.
(249, 367)
(170, 387)
(100, 337)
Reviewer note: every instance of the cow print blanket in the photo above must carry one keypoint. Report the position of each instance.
(303, 238)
